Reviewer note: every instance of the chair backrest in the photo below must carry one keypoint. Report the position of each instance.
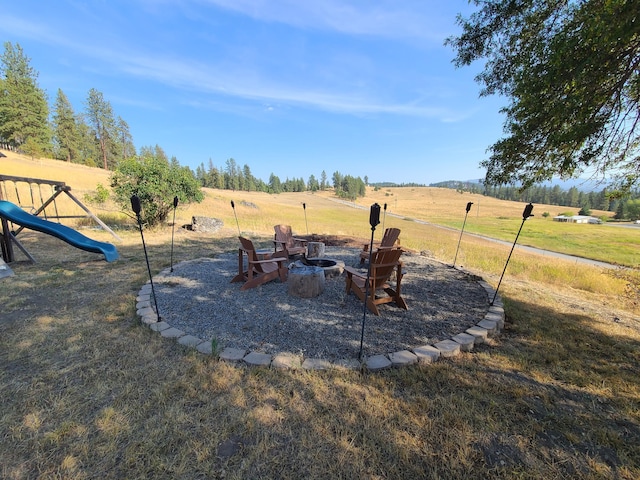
(284, 234)
(383, 263)
(247, 246)
(390, 237)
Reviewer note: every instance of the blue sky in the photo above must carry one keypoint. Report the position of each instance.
(286, 87)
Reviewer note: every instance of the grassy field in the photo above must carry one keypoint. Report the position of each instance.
(88, 392)
(489, 216)
(501, 219)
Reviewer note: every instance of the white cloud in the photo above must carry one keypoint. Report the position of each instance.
(220, 81)
(417, 19)
(335, 91)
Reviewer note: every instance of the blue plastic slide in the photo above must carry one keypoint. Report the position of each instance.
(15, 214)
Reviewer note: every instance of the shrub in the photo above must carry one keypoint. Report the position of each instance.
(156, 182)
(98, 197)
(32, 148)
(585, 211)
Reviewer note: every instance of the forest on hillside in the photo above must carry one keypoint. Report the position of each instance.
(585, 201)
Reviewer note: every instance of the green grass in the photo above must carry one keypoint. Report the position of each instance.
(611, 244)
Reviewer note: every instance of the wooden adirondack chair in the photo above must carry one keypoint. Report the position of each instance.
(383, 264)
(284, 240)
(389, 239)
(259, 271)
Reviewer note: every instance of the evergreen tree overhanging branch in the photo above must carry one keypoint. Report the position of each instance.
(571, 70)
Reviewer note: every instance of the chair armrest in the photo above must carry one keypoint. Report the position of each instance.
(270, 260)
(365, 247)
(357, 273)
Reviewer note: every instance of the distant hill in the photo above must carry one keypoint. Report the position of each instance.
(582, 184)
(472, 185)
(393, 184)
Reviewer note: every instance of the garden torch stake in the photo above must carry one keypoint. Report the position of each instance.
(135, 206)
(525, 214)
(173, 227)
(233, 206)
(374, 219)
(384, 217)
(304, 206)
(462, 230)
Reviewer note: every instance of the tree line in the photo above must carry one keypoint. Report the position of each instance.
(234, 177)
(95, 137)
(624, 208)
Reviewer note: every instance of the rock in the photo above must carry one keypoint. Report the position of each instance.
(206, 224)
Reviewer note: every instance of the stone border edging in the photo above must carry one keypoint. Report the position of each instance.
(489, 326)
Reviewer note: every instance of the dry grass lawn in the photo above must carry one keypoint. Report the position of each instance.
(89, 392)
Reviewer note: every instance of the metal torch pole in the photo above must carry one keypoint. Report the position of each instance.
(173, 227)
(384, 217)
(233, 206)
(136, 207)
(304, 206)
(374, 219)
(462, 230)
(525, 214)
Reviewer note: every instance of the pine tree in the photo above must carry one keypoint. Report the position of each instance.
(249, 179)
(66, 135)
(124, 141)
(604, 200)
(87, 147)
(275, 185)
(232, 175)
(323, 180)
(23, 105)
(100, 118)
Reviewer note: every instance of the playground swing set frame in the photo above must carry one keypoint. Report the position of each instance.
(8, 236)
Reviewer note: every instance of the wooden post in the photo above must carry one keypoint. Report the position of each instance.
(5, 242)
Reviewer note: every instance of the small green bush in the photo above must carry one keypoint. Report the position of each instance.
(98, 197)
